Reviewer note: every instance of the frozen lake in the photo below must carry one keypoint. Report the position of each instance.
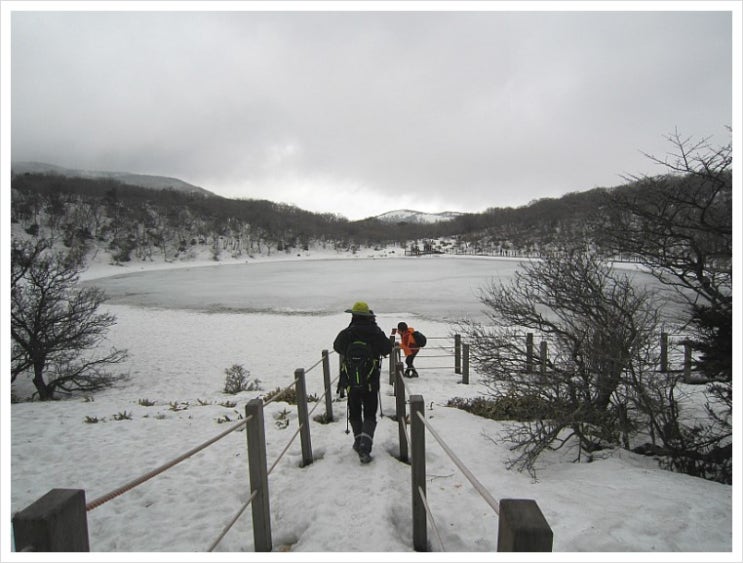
(441, 288)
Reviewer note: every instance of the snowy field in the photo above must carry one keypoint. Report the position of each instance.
(184, 327)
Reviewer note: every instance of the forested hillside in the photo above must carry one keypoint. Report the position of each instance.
(137, 223)
(141, 223)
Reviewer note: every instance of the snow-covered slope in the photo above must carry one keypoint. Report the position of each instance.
(411, 216)
(620, 504)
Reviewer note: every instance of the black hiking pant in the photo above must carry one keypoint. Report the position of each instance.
(410, 369)
(362, 414)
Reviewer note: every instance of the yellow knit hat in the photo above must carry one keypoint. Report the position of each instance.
(360, 308)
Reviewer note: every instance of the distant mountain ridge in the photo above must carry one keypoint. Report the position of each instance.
(165, 182)
(142, 180)
(412, 216)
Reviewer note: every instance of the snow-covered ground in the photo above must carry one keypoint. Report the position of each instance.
(621, 504)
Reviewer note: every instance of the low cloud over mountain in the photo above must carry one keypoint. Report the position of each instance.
(143, 180)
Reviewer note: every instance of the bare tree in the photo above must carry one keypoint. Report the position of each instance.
(599, 386)
(680, 225)
(599, 327)
(55, 325)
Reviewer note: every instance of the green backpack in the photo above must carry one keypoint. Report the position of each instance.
(360, 363)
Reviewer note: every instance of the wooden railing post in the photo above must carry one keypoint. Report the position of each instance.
(457, 353)
(328, 390)
(396, 355)
(303, 417)
(255, 431)
(418, 472)
(663, 352)
(400, 413)
(55, 522)
(466, 364)
(392, 360)
(530, 352)
(522, 526)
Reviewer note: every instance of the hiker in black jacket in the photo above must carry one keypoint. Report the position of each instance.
(360, 345)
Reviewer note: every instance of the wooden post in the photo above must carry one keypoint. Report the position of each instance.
(522, 527)
(55, 522)
(457, 353)
(466, 364)
(663, 352)
(392, 360)
(398, 366)
(530, 352)
(400, 413)
(418, 472)
(303, 418)
(328, 390)
(256, 434)
(543, 357)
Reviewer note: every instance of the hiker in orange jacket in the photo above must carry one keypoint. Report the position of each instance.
(409, 346)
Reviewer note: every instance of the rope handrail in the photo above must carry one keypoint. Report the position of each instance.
(229, 526)
(294, 436)
(433, 356)
(280, 393)
(147, 476)
(424, 499)
(467, 473)
(232, 522)
(164, 467)
(319, 399)
(289, 443)
(313, 366)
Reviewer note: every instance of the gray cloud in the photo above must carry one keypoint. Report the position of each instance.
(362, 112)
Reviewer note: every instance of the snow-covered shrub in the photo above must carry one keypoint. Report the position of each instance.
(238, 379)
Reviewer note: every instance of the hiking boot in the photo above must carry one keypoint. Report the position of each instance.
(364, 457)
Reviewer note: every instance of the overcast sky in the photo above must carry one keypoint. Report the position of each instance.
(358, 113)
